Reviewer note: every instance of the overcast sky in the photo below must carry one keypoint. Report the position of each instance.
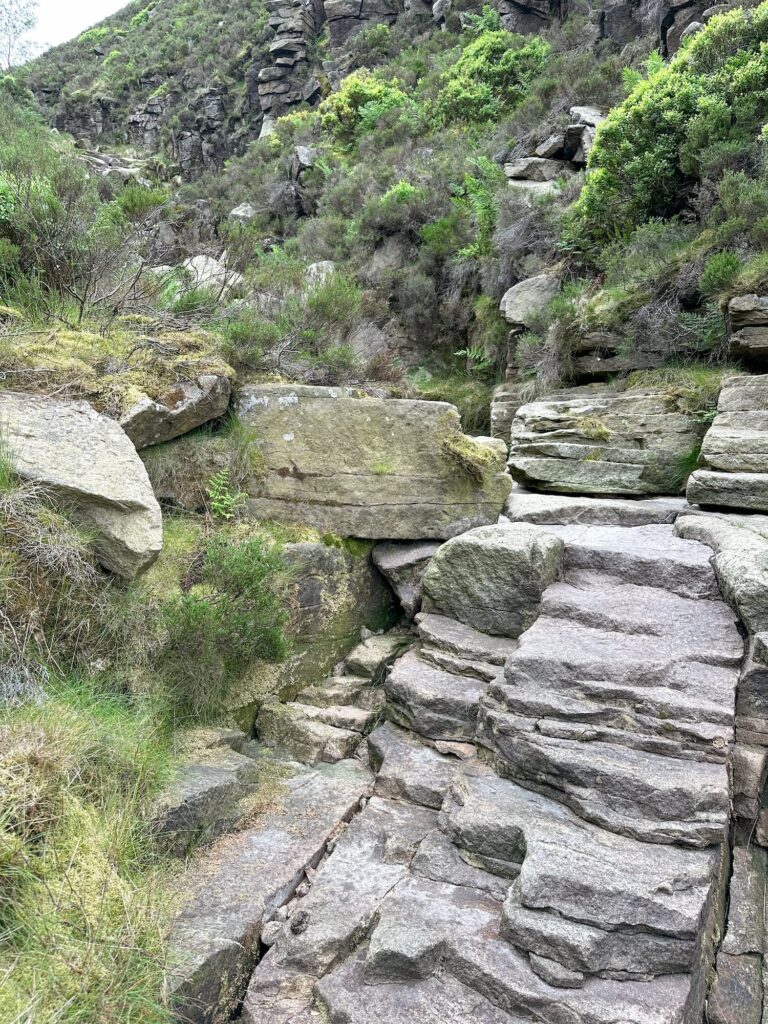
(60, 20)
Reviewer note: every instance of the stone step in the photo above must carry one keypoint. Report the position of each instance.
(396, 927)
(343, 690)
(370, 659)
(432, 702)
(454, 637)
(629, 791)
(563, 509)
(209, 796)
(647, 555)
(340, 716)
(234, 888)
(407, 769)
(296, 731)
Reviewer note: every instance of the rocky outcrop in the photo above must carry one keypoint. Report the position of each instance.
(492, 578)
(733, 466)
(88, 461)
(369, 467)
(156, 420)
(748, 321)
(601, 442)
(346, 17)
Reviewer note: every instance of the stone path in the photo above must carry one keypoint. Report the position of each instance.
(544, 824)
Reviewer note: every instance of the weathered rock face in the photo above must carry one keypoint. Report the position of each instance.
(589, 441)
(748, 316)
(507, 399)
(492, 578)
(336, 592)
(369, 467)
(345, 17)
(733, 466)
(88, 461)
(153, 421)
(404, 566)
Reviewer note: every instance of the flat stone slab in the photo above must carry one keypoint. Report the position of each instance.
(556, 509)
(407, 769)
(401, 472)
(431, 701)
(648, 555)
(370, 658)
(237, 885)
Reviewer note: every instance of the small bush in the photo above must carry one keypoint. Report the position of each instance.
(720, 271)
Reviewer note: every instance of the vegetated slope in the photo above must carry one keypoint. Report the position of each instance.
(158, 72)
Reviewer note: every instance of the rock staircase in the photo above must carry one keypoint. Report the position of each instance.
(541, 833)
(327, 722)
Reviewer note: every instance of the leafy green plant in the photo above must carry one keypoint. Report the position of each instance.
(223, 502)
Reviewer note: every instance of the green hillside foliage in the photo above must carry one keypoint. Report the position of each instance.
(699, 118)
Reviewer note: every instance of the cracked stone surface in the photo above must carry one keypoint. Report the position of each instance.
(546, 833)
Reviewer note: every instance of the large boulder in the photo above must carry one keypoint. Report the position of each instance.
(596, 441)
(733, 467)
(88, 461)
(190, 404)
(492, 578)
(369, 467)
(527, 299)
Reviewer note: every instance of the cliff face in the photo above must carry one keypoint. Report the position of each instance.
(193, 83)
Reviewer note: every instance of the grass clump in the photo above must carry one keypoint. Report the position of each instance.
(83, 904)
(693, 388)
(477, 460)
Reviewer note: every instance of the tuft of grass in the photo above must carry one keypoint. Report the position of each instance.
(693, 388)
(594, 428)
(471, 395)
(477, 460)
(84, 905)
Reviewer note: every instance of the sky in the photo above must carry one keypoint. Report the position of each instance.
(60, 20)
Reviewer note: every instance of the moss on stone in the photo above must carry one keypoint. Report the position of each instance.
(110, 368)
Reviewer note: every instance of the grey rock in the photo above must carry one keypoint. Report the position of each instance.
(586, 115)
(593, 441)
(88, 461)
(230, 892)
(745, 931)
(298, 730)
(534, 168)
(552, 146)
(736, 996)
(433, 702)
(404, 566)
(407, 769)
(507, 399)
(402, 473)
(647, 555)
(370, 659)
(156, 420)
(555, 509)
(529, 298)
(244, 213)
(208, 797)
(554, 973)
(740, 563)
(492, 578)
(271, 932)
(454, 637)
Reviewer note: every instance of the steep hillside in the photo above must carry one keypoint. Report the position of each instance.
(176, 79)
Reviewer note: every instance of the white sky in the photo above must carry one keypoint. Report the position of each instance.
(60, 20)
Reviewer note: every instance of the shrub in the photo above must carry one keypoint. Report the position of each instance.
(720, 271)
(357, 105)
(492, 74)
(232, 614)
(654, 146)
